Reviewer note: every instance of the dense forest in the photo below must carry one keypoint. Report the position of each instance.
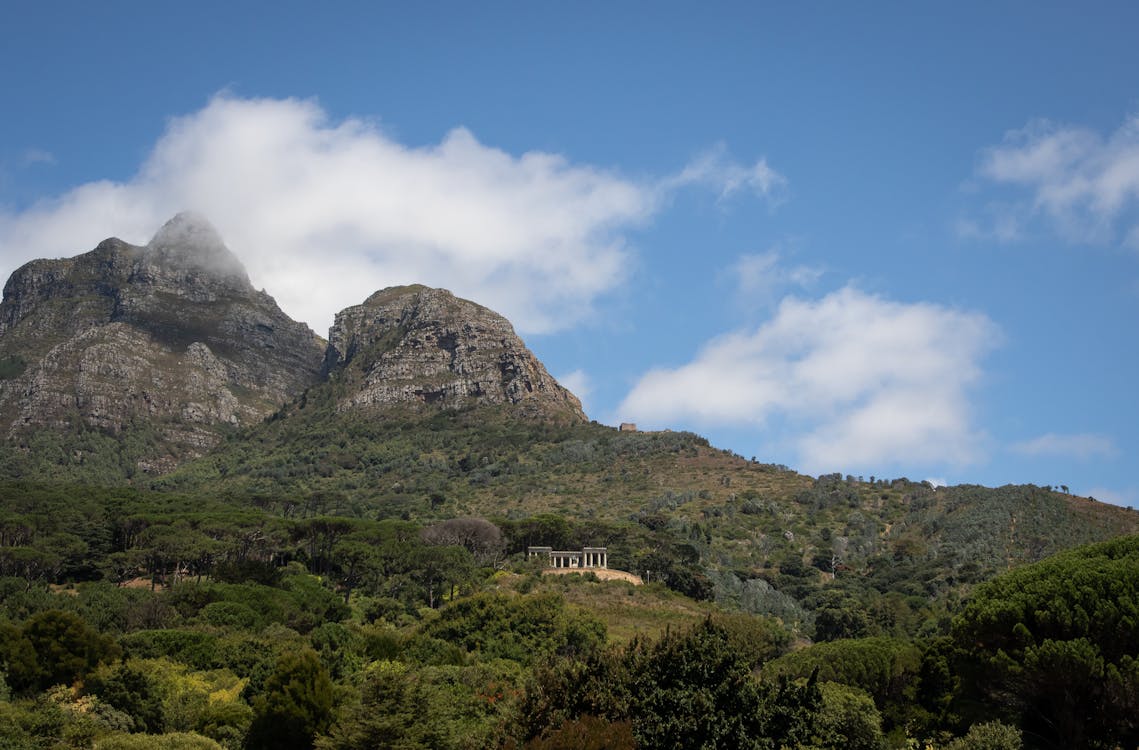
(140, 618)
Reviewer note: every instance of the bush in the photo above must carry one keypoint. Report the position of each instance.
(173, 741)
(233, 615)
(991, 735)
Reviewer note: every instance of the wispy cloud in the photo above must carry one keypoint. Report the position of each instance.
(325, 212)
(761, 277)
(861, 381)
(715, 170)
(38, 156)
(1083, 446)
(1083, 184)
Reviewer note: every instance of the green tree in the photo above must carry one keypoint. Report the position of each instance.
(847, 720)
(587, 733)
(396, 710)
(17, 657)
(1053, 647)
(992, 735)
(887, 669)
(295, 705)
(66, 647)
(523, 629)
(133, 692)
(692, 689)
(173, 741)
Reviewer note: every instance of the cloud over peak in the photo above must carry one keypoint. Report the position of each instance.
(323, 213)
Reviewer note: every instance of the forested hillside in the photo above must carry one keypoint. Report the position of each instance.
(351, 571)
(142, 618)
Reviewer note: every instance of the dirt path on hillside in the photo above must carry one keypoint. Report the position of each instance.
(605, 574)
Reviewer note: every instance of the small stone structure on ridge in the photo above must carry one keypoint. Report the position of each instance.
(587, 557)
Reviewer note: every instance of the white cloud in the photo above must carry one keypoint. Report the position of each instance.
(1086, 185)
(852, 379)
(323, 213)
(579, 384)
(1083, 446)
(759, 277)
(714, 169)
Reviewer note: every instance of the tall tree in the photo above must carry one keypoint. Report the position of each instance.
(294, 706)
(1054, 647)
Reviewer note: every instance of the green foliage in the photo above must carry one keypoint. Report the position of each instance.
(231, 615)
(66, 648)
(992, 735)
(687, 690)
(847, 720)
(294, 706)
(272, 548)
(755, 640)
(433, 707)
(395, 710)
(172, 741)
(197, 649)
(1052, 646)
(887, 669)
(587, 733)
(133, 692)
(17, 658)
(842, 621)
(520, 628)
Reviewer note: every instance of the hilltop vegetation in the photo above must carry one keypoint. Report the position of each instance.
(865, 555)
(351, 579)
(139, 619)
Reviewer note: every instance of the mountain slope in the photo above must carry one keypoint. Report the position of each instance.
(163, 346)
(424, 406)
(669, 506)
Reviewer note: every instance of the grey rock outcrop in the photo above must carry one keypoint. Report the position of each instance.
(170, 336)
(417, 346)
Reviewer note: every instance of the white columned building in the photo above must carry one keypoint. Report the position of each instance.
(587, 557)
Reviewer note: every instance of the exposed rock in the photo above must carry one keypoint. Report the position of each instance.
(170, 335)
(167, 346)
(419, 346)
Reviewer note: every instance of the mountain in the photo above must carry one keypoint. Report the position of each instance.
(128, 362)
(132, 359)
(419, 346)
(161, 347)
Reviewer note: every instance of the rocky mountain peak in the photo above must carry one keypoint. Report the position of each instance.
(169, 340)
(414, 345)
(189, 242)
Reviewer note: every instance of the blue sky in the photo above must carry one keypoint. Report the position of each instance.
(882, 239)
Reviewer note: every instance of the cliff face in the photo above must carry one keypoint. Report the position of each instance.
(425, 347)
(170, 336)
